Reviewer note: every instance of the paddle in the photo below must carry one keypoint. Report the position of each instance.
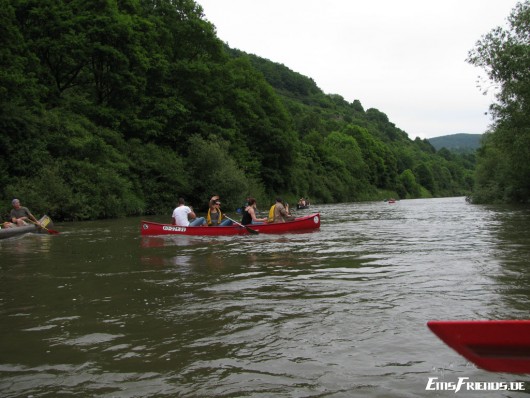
(252, 231)
(50, 231)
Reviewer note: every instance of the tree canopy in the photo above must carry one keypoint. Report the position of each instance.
(503, 170)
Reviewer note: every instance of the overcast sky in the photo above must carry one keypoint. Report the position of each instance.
(405, 58)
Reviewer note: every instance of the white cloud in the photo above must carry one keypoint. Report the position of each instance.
(405, 58)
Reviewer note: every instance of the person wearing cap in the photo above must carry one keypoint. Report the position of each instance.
(279, 213)
(19, 214)
(215, 215)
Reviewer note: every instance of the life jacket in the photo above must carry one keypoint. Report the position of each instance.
(271, 213)
(209, 218)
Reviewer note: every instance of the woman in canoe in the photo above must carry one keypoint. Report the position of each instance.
(249, 214)
(215, 215)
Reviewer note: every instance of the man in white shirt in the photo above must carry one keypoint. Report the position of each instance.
(182, 214)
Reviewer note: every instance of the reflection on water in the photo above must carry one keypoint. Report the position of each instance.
(512, 247)
(37, 244)
(101, 311)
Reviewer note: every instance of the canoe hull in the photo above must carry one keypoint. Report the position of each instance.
(16, 231)
(497, 346)
(302, 224)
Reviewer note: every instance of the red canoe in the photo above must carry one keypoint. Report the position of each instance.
(497, 346)
(301, 224)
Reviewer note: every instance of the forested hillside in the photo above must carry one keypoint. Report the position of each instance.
(457, 142)
(113, 108)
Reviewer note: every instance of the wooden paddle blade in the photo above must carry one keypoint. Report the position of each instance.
(497, 346)
(252, 231)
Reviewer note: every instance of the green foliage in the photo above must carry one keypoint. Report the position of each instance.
(213, 171)
(158, 175)
(410, 187)
(381, 165)
(425, 176)
(113, 108)
(492, 173)
(503, 172)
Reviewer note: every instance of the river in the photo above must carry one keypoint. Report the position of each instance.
(99, 311)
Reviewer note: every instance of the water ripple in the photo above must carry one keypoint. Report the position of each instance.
(340, 312)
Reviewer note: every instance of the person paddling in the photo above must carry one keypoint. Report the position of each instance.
(279, 213)
(19, 214)
(249, 214)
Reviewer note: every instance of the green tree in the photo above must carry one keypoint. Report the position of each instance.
(411, 189)
(158, 175)
(212, 171)
(425, 177)
(505, 56)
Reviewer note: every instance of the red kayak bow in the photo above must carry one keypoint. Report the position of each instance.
(497, 346)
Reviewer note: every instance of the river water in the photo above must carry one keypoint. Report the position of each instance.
(99, 311)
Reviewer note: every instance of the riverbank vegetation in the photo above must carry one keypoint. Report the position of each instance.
(111, 108)
(503, 169)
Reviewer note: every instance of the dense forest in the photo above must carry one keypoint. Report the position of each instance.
(118, 107)
(503, 165)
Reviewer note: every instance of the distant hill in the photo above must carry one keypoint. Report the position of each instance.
(457, 142)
